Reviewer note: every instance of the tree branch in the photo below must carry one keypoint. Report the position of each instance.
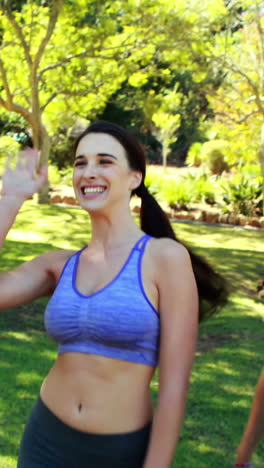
(49, 100)
(85, 53)
(246, 117)
(19, 34)
(232, 67)
(6, 44)
(67, 60)
(54, 13)
(18, 109)
(65, 92)
(251, 84)
(233, 119)
(261, 40)
(6, 85)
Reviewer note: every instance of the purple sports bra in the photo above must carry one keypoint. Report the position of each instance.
(118, 321)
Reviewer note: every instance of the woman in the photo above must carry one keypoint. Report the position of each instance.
(118, 308)
(254, 430)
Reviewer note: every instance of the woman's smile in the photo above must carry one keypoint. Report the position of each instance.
(92, 191)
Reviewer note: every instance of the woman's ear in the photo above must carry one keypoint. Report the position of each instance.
(136, 180)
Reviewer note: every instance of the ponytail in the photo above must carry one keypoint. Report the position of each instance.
(212, 287)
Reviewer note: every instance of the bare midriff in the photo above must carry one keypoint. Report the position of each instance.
(99, 394)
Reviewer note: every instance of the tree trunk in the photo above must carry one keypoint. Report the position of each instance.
(261, 157)
(43, 196)
(165, 151)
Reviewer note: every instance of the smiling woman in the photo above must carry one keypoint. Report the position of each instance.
(122, 306)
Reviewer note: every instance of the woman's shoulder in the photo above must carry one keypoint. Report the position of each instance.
(63, 255)
(54, 260)
(58, 255)
(165, 250)
(168, 258)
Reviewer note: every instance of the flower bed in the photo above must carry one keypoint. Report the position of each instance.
(202, 213)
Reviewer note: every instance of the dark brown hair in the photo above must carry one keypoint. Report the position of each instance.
(212, 287)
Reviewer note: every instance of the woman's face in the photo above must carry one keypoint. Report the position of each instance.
(102, 176)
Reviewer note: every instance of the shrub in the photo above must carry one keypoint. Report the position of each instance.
(54, 175)
(180, 192)
(214, 154)
(154, 180)
(60, 176)
(243, 195)
(194, 157)
(177, 194)
(202, 185)
(66, 176)
(61, 151)
(250, 170)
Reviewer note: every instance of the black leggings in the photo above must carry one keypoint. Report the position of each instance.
(49, 443)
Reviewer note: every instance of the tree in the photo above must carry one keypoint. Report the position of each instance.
(165, 127)
(175, 60)
(63, 58)
(239, 102)
(54, 62)
(163, 118)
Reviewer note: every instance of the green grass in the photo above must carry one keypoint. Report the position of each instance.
(229, 357)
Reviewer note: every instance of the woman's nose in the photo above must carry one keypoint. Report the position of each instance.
(90, 171)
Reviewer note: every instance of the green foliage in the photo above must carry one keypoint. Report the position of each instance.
(250, 170)
(8, 146)
(194, 155)
(243, 139)
(166, 125)
(177, 194)
(237, 102)
(174, 77)
(240, 192)
(66, 176)
(150, 48)
(154, 181)
(77, 70)
(203, 186)
(15, 126)
(243, 194)
(60, 176)
(212, 154)
(185, 190)
(54, 175)
(61, 150)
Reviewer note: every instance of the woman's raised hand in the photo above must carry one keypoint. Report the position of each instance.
(22, 182)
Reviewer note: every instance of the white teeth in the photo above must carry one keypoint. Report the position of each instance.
(93, 189)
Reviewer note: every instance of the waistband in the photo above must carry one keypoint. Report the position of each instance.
(97, 440)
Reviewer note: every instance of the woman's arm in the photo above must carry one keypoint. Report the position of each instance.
(9, 208)
(32, 279)
(179, 321)
(254, 430)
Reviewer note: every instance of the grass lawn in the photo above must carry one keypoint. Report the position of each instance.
(229, 355)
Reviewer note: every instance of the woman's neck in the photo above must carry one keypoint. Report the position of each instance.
(111, 232)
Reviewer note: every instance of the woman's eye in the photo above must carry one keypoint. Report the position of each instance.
(79, 163)
(105, 161)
